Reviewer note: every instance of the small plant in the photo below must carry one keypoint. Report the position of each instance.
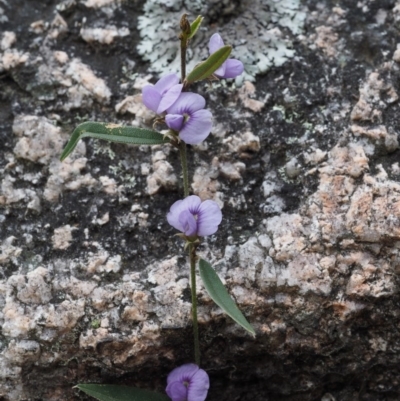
(184, 113)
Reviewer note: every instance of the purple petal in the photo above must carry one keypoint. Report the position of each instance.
(209, 218)
(166, 83)
(191, 204)
(174, 121)
(187, 102)
(177, 391)
(188, 222)
(220, 72)
(169, 98)
(151, 98)
(233, 68)
(197, 128)
(173, 215)
(215, 43)
(198, 386)
(184, 372)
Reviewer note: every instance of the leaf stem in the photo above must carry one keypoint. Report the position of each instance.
(192, 256)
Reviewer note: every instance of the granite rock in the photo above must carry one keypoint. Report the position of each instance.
(303, 160)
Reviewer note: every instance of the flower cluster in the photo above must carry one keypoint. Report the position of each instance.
(185, 113)
(188, 383)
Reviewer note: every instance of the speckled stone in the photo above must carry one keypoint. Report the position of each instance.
(303, 160)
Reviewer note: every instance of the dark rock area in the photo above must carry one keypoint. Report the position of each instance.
(303, 159)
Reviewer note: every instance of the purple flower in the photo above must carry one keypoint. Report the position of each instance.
(232, 67)
(194, 217)
(188, 117)
(188, 383)
(163, 94)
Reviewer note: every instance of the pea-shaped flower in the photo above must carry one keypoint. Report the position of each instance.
(232, 67)
(188, 117)
(193, 217)
(163, 94)
(188, 383)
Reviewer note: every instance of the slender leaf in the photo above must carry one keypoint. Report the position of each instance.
(209, 66)
(109, 392)
(220, 296)
(194, 26)
(114, 133)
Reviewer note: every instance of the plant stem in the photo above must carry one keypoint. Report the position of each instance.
(185, 28)
(185, 31)
(192, 256)
(182, 150)
(183, 59)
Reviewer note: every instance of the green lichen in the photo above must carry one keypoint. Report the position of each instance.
(95, 324)
(103, 148)
(124, 175)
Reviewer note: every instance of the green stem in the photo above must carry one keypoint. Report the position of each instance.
(185, 31)
(192, 256)
(183, 59)
(185, 28)
(182, 150)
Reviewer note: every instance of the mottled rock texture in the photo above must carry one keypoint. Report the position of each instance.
(304, 161)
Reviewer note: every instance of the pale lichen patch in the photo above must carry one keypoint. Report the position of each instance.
(100, 3)
(267, 21)
(105, 35)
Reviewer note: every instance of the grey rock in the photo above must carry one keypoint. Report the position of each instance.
(303, 161)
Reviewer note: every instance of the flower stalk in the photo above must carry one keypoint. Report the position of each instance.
(193, 259)
(184, 36)
(185, 172)
(185, 31)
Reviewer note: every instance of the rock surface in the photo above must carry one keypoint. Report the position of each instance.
(304, 161)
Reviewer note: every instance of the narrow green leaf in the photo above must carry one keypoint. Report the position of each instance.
(109, 392)
(114, 133)
(220, 296)
(209, 66)
(194, 26)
